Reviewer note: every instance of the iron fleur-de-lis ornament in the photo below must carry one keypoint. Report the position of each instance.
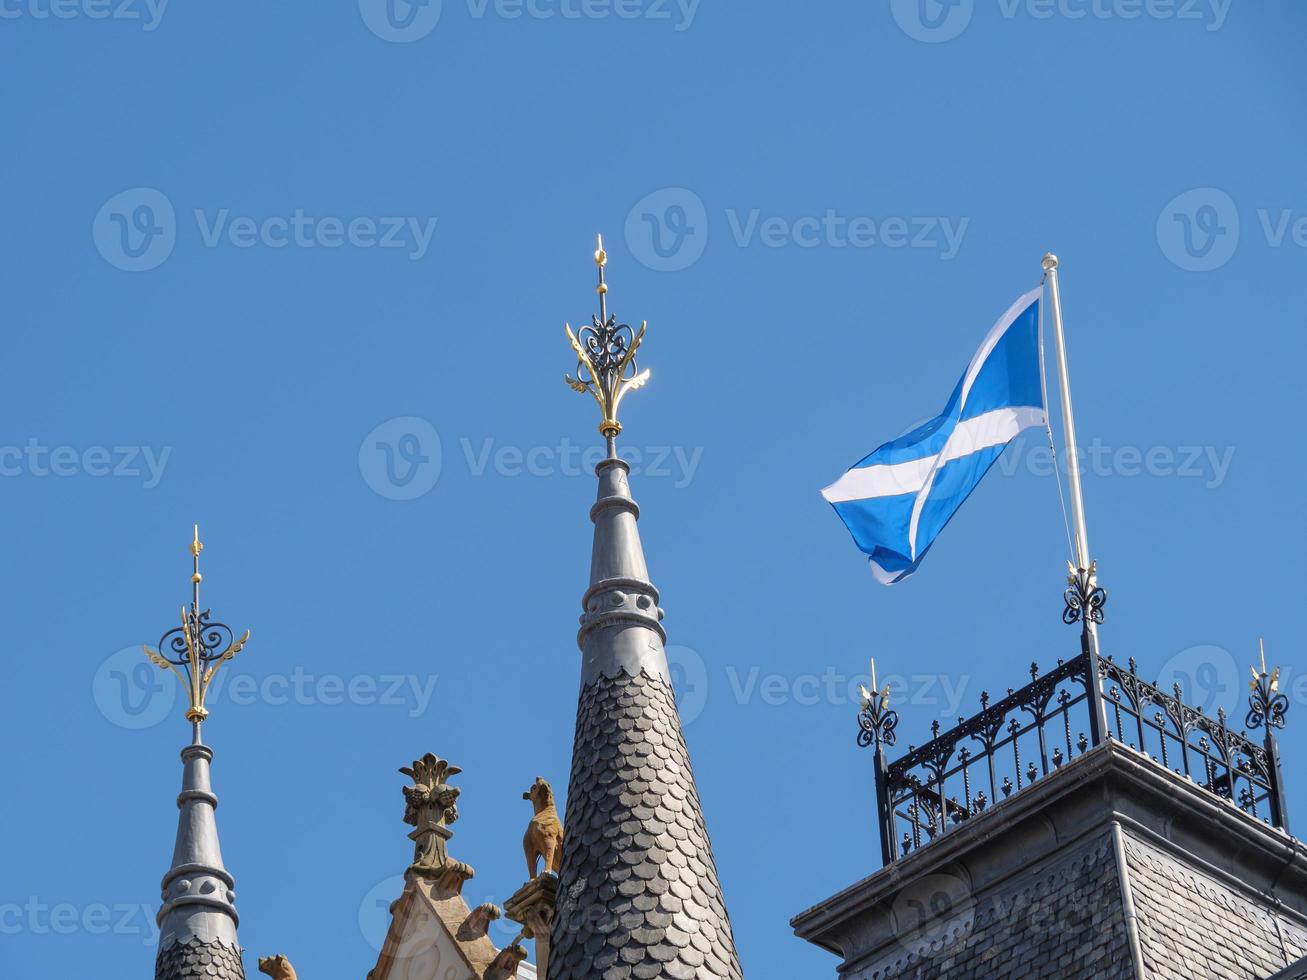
(198, 647)
(605, 356)
(1267, 704)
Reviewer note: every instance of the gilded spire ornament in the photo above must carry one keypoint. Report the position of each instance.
(1267, 705)
(198, 647)
(605, 357)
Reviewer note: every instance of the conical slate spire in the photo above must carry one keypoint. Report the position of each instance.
(197, 921)
(638, 895)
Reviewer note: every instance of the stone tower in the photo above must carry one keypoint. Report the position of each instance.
(1088, 825)
(197, 921)
(638, 894)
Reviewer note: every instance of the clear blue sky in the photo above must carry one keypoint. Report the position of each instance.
(247, 314)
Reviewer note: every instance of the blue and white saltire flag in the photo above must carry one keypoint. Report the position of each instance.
(897, 500)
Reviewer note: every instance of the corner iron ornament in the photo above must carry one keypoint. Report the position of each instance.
(1267, 705)
(605, 356)
(1084, 598)
(876, 721)
(198, 647)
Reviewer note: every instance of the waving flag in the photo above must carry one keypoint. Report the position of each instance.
(897, 500)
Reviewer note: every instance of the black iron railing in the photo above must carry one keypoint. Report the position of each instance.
(1033, 732)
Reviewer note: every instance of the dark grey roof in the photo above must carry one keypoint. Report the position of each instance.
(1297, 971)
(638, 895)
(196, 960)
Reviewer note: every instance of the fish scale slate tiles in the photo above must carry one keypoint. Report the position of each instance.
(196, 960)
(639, 896)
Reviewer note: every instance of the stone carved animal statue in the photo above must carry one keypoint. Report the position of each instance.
(277, 967)
(544, 834)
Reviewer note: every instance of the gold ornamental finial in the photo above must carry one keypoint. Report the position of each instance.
(198, 647)
(605, 357)
(1272, 677)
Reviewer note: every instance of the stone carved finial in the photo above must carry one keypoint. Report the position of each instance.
(277, 967)
(430, 806)
(544, 834)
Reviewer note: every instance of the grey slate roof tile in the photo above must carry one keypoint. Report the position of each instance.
(638, 896)
(196, 960)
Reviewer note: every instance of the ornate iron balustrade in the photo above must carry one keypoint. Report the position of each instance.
(1035, 731)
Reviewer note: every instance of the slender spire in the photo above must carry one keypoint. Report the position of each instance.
(638, 894)
(197, 922)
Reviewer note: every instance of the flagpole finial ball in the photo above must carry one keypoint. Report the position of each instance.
(1050, 262)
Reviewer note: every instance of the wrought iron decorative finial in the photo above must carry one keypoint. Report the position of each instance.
(198, 647)
(876, 722)
(1084, 598)
(605, 356)
(1267, 705)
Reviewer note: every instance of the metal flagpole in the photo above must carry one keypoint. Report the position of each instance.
(1084, 598)
(1068, 416)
